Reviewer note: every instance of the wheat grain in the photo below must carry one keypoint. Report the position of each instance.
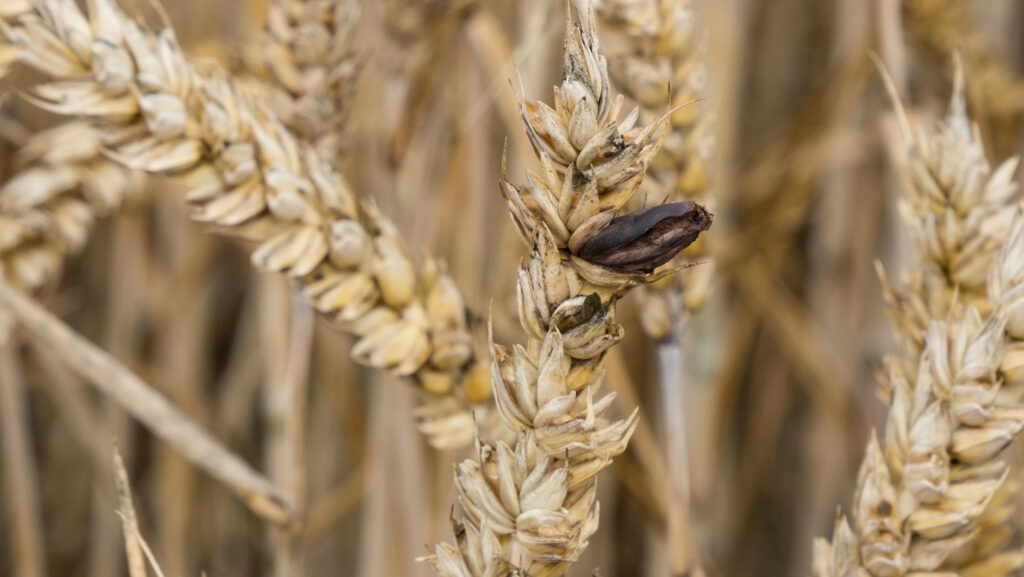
(251, 177)
(531, 507)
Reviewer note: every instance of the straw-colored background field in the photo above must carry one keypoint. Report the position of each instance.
(298, 410)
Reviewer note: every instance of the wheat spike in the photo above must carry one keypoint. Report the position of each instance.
(957, 210)
(251, 177)
(531, 507)
(928, 493)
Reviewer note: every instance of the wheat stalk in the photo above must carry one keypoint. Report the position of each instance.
(531, 507)
(250, 177)
(928, 495)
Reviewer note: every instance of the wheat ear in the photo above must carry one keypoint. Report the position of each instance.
(957, 210)
(930, 494)
(49, 208)
(531, 507)
(64, 183)
(251, 177)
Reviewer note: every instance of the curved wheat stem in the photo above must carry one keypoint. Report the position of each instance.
(531, 507)
(931, 493)
(249, 176)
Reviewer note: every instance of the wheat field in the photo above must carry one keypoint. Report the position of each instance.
(495, 288)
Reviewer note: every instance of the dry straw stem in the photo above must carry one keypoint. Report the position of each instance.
(531, 507)
(252, 178)
(129, 521)
(145, 404)
(136, 548)
(19, 468)
(930, 494)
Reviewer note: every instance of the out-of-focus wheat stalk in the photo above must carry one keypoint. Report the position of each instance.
(531, 507)
(927, 497)
(249, 176)
(426, 30)
(20, 476)
(943, 26)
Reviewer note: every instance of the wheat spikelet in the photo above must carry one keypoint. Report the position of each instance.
(249, 176)
(660, 63)
(957, 210)
(531, 507)
(931, 494)
(306, 57)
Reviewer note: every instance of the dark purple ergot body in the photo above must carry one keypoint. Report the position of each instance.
(643, 241)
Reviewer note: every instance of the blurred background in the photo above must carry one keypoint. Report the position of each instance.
(780, 392)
